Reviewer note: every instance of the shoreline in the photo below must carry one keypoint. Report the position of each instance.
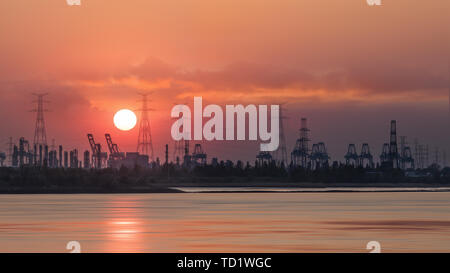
(316, 190)
(233, 188)
(88, 191)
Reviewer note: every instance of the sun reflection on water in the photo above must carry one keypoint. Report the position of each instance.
(123, 227)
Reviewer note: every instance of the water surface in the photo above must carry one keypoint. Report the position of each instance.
(227, 222)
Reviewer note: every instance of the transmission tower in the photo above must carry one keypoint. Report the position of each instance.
(145, 145)
(178, 151)
(300, 155)
(40, 136)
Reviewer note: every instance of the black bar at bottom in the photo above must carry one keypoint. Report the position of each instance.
(228, 262)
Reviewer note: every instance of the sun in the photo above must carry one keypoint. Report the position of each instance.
(125, 120)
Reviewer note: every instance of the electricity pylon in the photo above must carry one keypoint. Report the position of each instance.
(145, 145)
(40, 135)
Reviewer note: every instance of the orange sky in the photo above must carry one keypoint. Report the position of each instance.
(341, 63)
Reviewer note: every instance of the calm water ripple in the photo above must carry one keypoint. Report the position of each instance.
(226, 222)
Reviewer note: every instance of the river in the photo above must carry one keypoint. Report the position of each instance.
(227, 222)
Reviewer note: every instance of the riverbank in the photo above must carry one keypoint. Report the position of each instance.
(34, 190)
(159, 180)
(253, 187)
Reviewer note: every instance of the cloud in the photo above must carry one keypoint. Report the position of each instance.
(153, 69)
(253, 80)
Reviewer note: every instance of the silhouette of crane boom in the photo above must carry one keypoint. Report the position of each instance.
(113, 148)
(96, 152)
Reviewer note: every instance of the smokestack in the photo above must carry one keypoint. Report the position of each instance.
(74, 158)
(60, 156)
(40, 155)
(15, 156)
(66, 159)
(35, 155)
(46, 156)
(393, 150)
(167, 154)
(21, 151)
(87, 157)
(55, 159)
